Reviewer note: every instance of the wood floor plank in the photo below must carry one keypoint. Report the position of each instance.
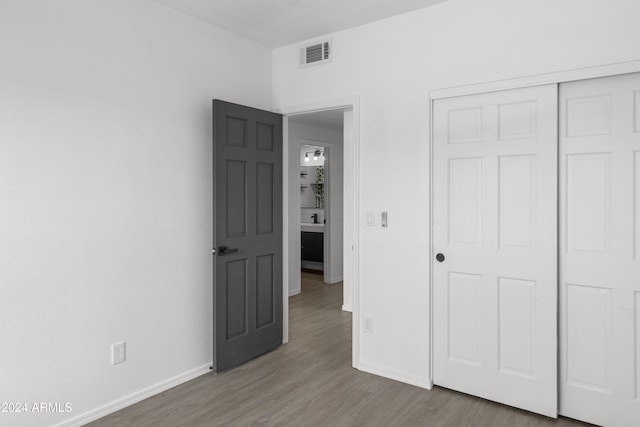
(310, 382)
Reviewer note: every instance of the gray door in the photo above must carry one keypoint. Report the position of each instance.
(247, 233)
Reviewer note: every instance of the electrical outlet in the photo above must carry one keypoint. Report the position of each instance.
(367, 325)
(118, 352)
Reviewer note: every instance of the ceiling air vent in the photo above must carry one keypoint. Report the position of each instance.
(315, 53)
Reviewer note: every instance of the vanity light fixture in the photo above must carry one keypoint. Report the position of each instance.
(316, 155)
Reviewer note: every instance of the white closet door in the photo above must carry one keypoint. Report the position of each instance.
(495, 222)
(600, 250)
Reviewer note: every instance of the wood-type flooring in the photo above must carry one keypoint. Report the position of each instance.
(310, 382)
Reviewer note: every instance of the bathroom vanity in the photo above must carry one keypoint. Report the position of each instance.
(312, 238)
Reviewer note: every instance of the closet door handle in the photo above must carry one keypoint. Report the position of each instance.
(440, 257)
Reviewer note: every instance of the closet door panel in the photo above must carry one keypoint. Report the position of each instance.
(495, 222)
(599, 260)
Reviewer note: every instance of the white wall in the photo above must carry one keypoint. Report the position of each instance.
(392, 65)
(301, 134)
(105, 194)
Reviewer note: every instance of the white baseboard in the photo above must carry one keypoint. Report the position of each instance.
(335, 280)
(312, 265)
(392, 374)
(347, 308)
(136, 397)
(294, 292)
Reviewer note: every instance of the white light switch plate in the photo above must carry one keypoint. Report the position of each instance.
(371, 219)
(367, 325)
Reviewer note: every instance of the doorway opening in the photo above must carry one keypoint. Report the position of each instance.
(318, 140)
(320, 182)
(315, 194)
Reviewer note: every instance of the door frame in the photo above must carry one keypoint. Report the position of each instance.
(351, 169)
(556, 77)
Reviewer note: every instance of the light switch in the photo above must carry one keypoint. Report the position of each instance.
(383, 219)
(371, 219)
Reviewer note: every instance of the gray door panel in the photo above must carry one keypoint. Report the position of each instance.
(247, 209)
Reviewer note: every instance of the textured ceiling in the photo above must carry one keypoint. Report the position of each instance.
(276, 23)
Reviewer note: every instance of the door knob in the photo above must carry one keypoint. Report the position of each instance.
(440, 257)
(223, 250)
